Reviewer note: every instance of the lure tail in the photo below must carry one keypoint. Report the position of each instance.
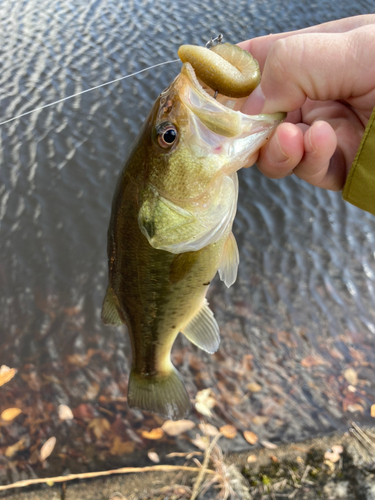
(165, 395)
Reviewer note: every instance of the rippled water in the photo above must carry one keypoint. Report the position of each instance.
(301, 313)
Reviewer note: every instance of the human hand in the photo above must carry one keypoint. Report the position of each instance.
(324, 77)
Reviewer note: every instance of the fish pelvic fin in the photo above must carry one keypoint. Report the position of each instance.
(163, 394)
(202, 330)
(110, 315)
(229, 261)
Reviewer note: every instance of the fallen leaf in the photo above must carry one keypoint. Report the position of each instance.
(312, 361)
(121, 447)
(251, 459)
(228, 431)
(175, 428)
(92, 391)
(254, 387)
(157, 433)
(330, 465)
(99, 426)
(204, 402)
(355, 407)
(337, 448)
(83, 412)
(300, 460)
(10, 414)
(32, 380)
(201, 442)
(332, 457)
(47, 448)
(72, 311)
(250, 437)
(208, 429)
(65, 413)
(260, 420)
(16, 447)
(269, 445)
(373, 411)
(274, 459)
(78, 360)
(6, 374)
(357, 355)
(203, 410)
(350, 399)
(286, 338)
(153, 456)
(351, 376)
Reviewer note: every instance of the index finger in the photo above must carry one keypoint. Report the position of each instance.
(260, 46)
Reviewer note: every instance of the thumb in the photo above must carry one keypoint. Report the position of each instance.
(320, 66)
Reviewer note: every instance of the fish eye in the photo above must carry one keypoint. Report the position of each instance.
(167, 135)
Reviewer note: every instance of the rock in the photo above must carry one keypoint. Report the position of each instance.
(336, 490)
(369, 487)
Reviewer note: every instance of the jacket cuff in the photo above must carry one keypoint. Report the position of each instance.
(359, 188)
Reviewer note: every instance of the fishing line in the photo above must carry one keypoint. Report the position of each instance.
(87, 90)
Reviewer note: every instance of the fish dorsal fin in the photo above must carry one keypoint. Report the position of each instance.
(110, 315)
(229, 261)
(203, 330)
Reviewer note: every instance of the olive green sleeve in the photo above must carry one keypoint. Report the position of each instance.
(359, 188)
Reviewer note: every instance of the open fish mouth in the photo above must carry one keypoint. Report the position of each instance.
(236, 134)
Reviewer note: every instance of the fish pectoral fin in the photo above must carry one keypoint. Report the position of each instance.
(164, 394)
(110, 315)
(202, 330)
(181, 265)
(229, 261)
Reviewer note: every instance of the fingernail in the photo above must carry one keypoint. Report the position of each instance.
(254, 103)
(275, 153)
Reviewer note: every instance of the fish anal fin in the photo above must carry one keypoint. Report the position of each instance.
(229, 261)
(202, 330)
(181, 266)
(165, 395)
(110, 315)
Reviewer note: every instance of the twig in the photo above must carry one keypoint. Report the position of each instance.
(362, 437)
(281, 484)
(307, 470)
(87, 475)
(293, 494)
(204, 469)
(187, 454)
(172, 487)
(294, 478)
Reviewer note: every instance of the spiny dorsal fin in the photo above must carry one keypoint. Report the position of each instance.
(203, 330)
(110, 315)
(229, 261)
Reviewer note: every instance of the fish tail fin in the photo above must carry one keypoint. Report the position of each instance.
(165, 395)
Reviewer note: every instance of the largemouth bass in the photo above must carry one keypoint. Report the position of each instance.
(171, 224)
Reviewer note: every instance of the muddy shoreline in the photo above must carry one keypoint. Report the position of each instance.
(338, 466)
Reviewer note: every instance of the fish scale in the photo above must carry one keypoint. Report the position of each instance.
(171, 230)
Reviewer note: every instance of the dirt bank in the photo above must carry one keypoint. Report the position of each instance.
(339, 466)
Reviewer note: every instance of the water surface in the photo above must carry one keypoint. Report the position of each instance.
(300, 314)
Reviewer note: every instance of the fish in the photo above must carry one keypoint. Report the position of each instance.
(170, 228)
